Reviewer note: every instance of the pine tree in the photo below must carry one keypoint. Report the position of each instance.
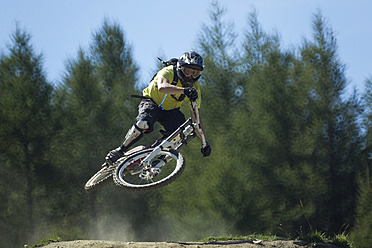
(75, 148)
(115, 71)
(221, 80)
(270, 186)
(363, 218)
(24, 129)
(326, 135)
(95, 111)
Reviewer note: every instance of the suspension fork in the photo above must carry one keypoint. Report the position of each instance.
(176, 137)
(197, 124)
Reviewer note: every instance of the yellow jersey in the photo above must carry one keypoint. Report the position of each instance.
(166, 101)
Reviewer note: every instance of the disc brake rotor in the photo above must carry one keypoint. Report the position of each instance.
(149, 173)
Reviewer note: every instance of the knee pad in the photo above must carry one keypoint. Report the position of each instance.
(143, 125)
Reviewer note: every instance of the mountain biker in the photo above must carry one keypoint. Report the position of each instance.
(161, 102)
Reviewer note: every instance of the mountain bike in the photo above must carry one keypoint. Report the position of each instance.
(147, 168)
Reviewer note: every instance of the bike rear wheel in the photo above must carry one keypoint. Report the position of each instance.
(101, 178)
(131, 175)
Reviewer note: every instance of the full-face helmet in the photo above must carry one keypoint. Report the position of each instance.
(189, 68)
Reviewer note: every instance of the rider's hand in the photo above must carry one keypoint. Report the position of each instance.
(191, 93)
(206, 150)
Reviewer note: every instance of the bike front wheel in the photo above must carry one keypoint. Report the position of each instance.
(131, 175)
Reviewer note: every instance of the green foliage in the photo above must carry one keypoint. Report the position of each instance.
(363, 219)
(46, 241)
(329, 125)
(317, 239)
(25, 136)
(95, 112)
(342, 241)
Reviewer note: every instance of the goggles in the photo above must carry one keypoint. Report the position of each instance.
(189, 72)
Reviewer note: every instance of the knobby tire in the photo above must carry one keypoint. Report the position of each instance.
(101, 178)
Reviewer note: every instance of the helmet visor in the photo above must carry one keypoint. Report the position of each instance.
(189, 72)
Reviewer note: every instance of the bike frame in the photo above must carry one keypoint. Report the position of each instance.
(180, 137)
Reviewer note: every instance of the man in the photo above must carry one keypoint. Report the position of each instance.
(162, 100)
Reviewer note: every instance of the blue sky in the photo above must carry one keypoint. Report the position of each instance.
(170, 27)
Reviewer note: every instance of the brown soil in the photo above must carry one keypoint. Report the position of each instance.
(226, 244)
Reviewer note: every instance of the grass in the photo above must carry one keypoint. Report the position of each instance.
(339, 240)
(342, 240)
(46, 241)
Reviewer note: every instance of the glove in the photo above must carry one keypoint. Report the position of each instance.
(191, 93)
(206, 150)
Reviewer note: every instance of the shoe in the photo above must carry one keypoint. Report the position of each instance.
(114, 155)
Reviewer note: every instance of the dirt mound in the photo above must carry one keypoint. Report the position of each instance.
(234, 244)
